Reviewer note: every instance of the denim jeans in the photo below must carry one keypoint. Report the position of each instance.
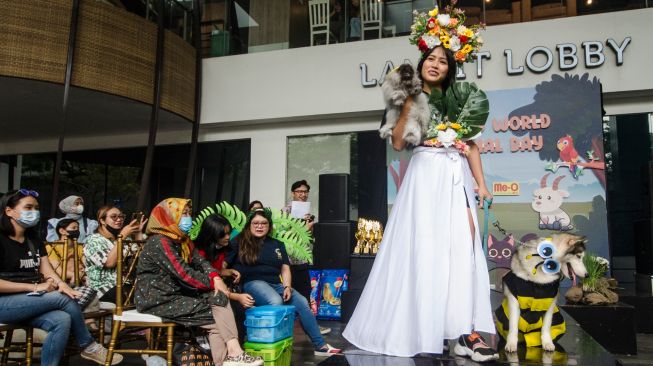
(265, 293)
(53, 312)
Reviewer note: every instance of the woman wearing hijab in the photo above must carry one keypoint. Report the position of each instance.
(73, 208)
(177, 284)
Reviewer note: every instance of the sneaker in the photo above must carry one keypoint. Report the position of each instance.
(325, 330)
(98, 354)
(327, 350)
(474, 346)
(243, 359)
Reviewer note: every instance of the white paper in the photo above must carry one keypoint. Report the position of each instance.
(299, 209)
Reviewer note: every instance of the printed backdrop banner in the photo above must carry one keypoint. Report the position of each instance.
(543, 158)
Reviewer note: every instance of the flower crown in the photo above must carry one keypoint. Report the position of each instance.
(446, 29)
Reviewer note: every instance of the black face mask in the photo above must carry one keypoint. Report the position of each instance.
(73, 234)
(115, 232)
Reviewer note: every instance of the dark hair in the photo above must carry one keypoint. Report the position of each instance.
(63, 224)
(300, 183)
(251, 204)
(11, 199)
(211, 231)
(249, 246)
(451, 62)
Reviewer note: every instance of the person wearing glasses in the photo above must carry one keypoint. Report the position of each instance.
(100, 251)
(31, 292)
(299, 268)
(264, 267)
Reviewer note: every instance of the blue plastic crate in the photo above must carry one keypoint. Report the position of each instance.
(269, 323)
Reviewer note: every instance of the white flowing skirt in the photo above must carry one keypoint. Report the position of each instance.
(429, 281)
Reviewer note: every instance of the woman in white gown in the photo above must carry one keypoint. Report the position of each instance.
(429, 282)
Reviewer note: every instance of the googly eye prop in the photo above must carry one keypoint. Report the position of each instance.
(546, 250)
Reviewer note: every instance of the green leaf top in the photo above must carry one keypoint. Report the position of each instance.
(467, 104)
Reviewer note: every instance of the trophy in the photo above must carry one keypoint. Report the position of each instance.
(368, 238)
(378, 236)
(360, 235)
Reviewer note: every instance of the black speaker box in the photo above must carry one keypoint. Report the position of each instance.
(334, 242)
(334, 198)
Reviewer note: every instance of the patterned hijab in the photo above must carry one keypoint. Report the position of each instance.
(164, 220)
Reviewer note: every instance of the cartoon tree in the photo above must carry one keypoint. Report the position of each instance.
(572, 103)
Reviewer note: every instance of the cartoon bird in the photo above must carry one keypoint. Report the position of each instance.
(568, 153)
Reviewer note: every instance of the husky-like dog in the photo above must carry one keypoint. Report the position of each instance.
(400, 84)
(529, 313)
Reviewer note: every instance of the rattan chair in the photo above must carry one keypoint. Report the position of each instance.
(123, 318)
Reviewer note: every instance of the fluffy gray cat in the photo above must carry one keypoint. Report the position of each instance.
(398, 86)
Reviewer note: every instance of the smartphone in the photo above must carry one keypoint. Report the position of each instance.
(36, 293)
(138, 216)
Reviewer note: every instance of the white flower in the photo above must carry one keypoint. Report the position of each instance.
(479, 40)
(447, 137)
(444, 19)
(455, 43)
(603, 261)
(431, 41)
(461, 29)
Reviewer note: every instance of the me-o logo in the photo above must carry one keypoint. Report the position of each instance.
(505, 188)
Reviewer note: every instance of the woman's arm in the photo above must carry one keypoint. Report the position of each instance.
(398, 142)
(9, 287)
(50, 275)
(474, 159)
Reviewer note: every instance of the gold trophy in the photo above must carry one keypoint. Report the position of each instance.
(360, 235)
(368, 238)
(377, 238)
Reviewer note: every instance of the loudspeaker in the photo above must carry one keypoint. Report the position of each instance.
(334, 198)
(334, 242)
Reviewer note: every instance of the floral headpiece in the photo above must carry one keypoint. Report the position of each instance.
(446, 29)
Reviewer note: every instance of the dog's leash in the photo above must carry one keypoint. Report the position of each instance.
(488, 217)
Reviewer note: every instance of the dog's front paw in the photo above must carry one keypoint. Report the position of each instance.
(412, 134)
(511, 345)
(548, 346)
(385, 132)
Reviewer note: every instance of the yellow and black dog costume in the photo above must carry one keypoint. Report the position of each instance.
(534, 300)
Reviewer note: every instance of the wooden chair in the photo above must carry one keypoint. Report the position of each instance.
(123, 318)
(318, 11)
(8, 346)
(62, 254)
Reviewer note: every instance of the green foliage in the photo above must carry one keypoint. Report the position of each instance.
(294, 234)
(597, 268)
(467, 105)
(233, 214)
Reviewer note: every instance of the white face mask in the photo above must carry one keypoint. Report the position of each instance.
(79, 209)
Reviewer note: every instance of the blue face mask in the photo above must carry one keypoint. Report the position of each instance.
(29, 218)
(185, 224)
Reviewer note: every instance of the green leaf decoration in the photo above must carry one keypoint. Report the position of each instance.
(292, 232)
(466, 103)
(437, 102)
(233, 214)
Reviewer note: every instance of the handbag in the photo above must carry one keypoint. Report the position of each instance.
(190, 354)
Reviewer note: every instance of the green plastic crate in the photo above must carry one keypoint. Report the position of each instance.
(273, 354)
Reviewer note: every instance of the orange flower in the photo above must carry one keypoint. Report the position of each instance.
(460, 56)
(453, 22)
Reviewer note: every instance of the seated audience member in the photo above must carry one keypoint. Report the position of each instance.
(73, 208)
(177, 284)
(265, 273)
(67, 229)
(32, 293)
(101, 252)
(212, 243)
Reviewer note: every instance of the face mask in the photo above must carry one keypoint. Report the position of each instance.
(73, 234)
(115, 232)
(29, 218)
(185, 224)
(79, 209)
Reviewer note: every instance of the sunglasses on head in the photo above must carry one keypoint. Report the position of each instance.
(27, 192)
